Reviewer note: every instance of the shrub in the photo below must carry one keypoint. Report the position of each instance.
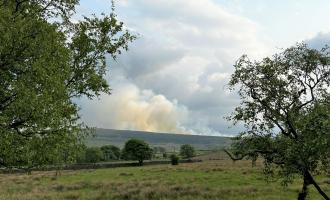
(174, 159)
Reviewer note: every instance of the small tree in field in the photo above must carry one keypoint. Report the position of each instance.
(135, 149)
(286, 109)
(187, 151)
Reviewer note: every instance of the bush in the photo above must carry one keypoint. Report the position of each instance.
(174, 159)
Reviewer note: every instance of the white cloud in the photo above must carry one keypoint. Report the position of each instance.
(186, 51)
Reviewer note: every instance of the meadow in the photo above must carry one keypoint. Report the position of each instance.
(210, 179)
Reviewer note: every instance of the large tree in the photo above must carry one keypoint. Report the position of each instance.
(285, 107)
(135, 149)
(47, 60)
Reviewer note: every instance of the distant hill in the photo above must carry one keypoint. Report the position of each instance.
(171, 142)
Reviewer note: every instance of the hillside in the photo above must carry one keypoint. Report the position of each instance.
(167, 140)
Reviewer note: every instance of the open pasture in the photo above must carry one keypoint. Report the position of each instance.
(213, 179)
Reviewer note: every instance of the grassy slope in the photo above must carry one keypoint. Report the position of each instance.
(218, 179)
(167, 140)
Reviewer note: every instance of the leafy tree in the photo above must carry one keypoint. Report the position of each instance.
(93, 155)
(110, 152)
(187, 151)
(46, 61)
(286, 110)
(135, 149)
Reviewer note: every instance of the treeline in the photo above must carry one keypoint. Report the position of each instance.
(99, 154)
(133, 149)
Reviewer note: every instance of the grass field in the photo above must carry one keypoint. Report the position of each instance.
(213, 179)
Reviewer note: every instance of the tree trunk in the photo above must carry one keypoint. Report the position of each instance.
(304, 191)
(312, 181)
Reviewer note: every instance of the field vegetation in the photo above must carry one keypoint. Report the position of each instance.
(214, 178)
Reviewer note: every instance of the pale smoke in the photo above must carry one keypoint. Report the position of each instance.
(132, 109)
(187, 55)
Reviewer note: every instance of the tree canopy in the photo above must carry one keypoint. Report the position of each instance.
(187, 151)
(285, 107)
(135, 149)
(110, 152)
(93, 155)
(46, 60)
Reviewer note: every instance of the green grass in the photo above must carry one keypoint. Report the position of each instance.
(220, 179)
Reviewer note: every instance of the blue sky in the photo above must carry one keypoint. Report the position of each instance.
(173, 78)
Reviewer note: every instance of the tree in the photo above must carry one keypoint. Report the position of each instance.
(135, 149)
(93, 155)
(46, 61)
(285, 109)
(110, 152)
(187, 151)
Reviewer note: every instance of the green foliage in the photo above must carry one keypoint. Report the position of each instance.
(46, 60)
(286, 109)
(93, 155)
(135, 149)
(187, 151)
(174, 159)
(110, 152)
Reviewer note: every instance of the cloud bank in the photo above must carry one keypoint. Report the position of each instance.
(175, 74)
(174, 77)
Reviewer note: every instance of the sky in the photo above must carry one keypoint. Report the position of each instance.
(174, 76)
